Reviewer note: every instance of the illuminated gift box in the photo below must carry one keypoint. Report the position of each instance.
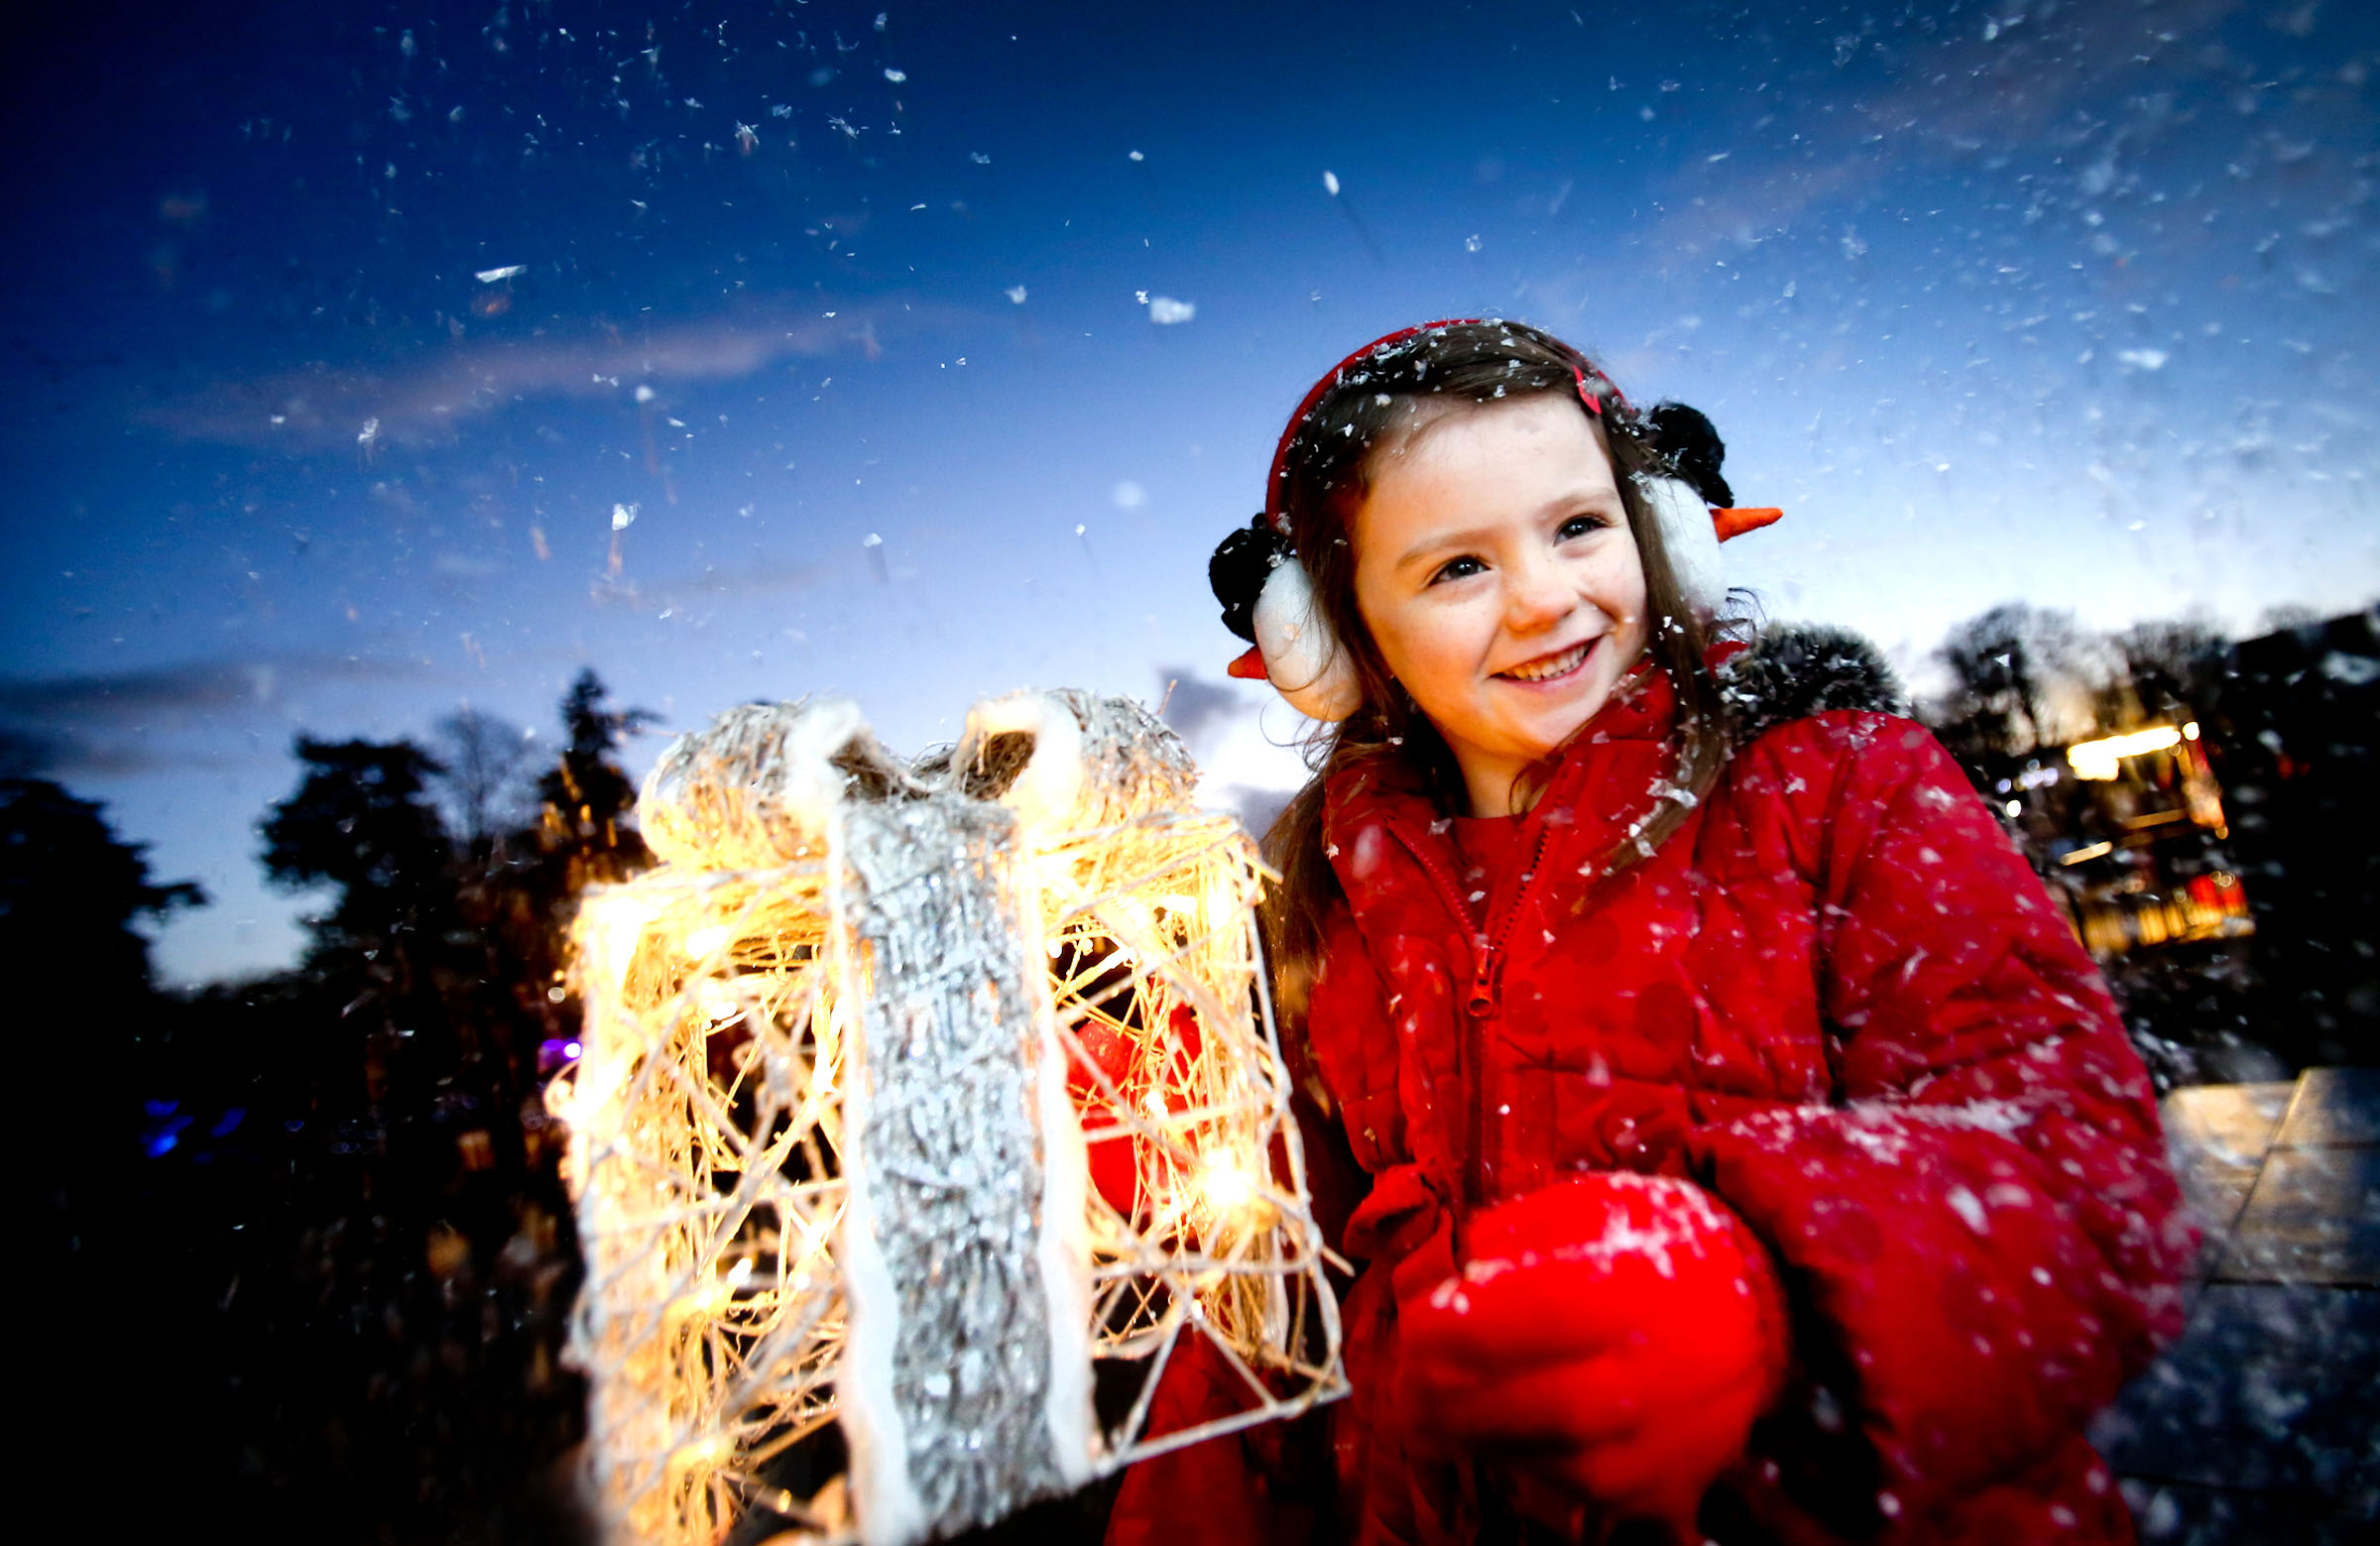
(923, 1110)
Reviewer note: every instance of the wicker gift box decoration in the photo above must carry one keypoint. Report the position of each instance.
(924, 1108)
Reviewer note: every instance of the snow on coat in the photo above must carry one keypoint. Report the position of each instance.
(1838, 999)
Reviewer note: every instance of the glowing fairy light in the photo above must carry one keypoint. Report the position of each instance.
(877, 1029)
(2098, 759)
(1228, 1191)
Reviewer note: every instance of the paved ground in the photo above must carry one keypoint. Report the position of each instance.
(2262, 1423)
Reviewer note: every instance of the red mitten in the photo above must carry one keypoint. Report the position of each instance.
(1613, 1335)
(1114, 1169)
(1114, 1150)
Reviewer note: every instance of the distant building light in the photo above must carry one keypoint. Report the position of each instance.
(2099, 759)
(2015, 808)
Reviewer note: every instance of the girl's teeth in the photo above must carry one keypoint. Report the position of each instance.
(1553, 667)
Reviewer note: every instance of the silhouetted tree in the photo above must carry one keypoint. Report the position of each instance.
(71, 891)
(2169, 665)
(406, 1294)
(375, 1251)
(2012, 667)
(587, 795)
(391, 953)
(362, 821)
(84, 1023)
(482, 755)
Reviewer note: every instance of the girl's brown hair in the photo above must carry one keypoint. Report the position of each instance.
(1325, 475)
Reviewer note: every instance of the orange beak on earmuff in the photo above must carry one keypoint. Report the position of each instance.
(1735, 522)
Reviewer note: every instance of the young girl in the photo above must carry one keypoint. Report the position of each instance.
(1754, 1154)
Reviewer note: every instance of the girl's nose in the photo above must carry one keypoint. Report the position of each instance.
(1537, 596)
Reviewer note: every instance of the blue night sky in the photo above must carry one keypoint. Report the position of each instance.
(922, 353)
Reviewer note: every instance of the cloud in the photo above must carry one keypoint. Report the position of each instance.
(194, 685)
(363, 406)
(1258, 808)
(1195, 705)
(97, 725)
(27, 751)
(38, 752)
(1242, 768)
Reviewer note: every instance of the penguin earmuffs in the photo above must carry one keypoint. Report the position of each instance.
(1268, 600)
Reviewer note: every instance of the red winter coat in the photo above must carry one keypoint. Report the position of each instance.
(1836, 999)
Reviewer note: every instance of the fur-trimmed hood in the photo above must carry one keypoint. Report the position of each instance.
(1793, 670)
(1787, 673)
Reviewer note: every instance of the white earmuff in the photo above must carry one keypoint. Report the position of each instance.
(1302, 656)
(1690, 536)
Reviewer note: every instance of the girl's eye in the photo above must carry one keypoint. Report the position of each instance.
(1462, 568)
(1582, 525)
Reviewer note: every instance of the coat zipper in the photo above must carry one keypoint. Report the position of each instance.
(1487, 966)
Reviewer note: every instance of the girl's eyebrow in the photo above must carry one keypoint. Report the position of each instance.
(1479, 536)
(1438, 542)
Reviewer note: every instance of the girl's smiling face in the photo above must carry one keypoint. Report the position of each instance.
(1496, 573)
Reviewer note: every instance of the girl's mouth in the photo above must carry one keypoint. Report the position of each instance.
(1551, 667)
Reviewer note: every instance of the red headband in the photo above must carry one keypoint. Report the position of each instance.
(1275, 516)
